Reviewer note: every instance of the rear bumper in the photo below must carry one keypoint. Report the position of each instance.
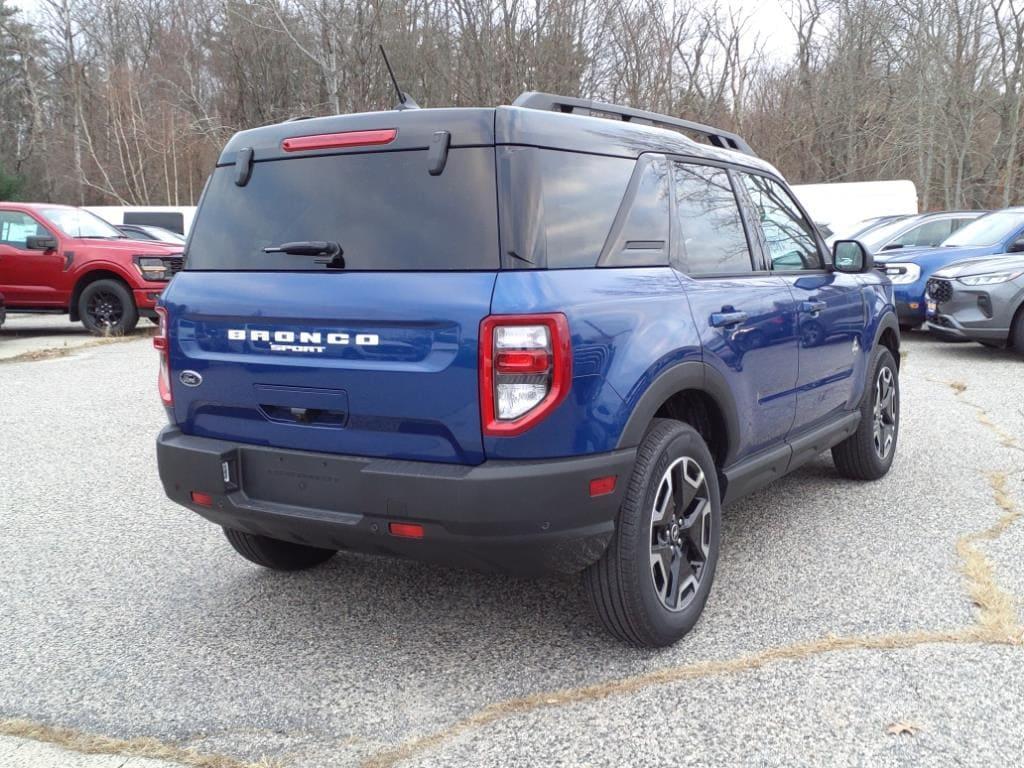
(525, 517)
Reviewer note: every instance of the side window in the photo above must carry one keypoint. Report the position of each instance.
(711, 238)
(788, 236)
(640, 234)
(17, 227)
(929, 233)
(556, 208)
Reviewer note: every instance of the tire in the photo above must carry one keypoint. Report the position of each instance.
(107, 308)
(1017, 332)
(275, 554)
(623, 587)
(861, 456)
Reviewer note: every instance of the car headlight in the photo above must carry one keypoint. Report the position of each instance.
(154, 269)
(902, 273)
(991, 278)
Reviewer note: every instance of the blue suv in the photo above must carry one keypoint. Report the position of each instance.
(556, 336)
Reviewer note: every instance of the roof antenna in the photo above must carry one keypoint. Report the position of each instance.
(405, 101)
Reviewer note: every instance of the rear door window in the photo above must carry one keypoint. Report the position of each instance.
(383, 209)
(710, 237)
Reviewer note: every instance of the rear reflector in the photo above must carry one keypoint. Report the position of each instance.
(202, 499)
(338, 140)
(406, 530)
(602, 486)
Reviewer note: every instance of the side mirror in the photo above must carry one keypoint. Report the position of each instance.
(41, 243)
(851, 257)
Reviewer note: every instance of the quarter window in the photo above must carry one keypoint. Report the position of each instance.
(711, 238)
(788, 235)
(640, 234)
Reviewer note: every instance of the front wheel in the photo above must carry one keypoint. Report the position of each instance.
(276, 554)
(868, 453)
(650, 586)
(107, 308)
(1017, 332)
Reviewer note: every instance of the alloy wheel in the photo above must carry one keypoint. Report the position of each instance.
(884, 412)
(105, 309)
(680, 533)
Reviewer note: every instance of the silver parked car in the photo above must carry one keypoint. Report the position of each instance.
(979, 300)
(927, 230)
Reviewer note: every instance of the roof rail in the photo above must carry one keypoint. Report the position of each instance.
(572, 105)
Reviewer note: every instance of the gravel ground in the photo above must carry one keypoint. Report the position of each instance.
(125, 615)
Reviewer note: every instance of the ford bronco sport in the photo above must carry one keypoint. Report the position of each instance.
(556, 336)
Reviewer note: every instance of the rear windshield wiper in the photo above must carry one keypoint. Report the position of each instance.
(330, 253)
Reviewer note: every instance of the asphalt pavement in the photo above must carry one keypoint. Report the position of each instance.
(849, 624)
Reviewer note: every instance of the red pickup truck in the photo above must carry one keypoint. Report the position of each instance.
(62, 259)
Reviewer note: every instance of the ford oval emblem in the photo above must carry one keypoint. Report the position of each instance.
(190, 378)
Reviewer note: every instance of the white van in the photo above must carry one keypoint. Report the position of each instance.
(175, 218)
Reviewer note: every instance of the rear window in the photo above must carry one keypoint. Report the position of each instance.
(383, 209)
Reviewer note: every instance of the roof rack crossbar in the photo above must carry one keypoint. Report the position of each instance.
(572, 105)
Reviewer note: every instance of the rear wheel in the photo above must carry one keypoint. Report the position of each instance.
(651, 585)
(276, 554)
(107, 308)
(868, 453)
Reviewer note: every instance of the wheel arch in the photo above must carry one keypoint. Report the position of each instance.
(888, 335)
(87, 279)
(695, 393)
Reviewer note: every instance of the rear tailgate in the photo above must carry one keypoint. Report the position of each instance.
(378, 358)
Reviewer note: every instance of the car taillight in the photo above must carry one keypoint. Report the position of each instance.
(525, 370)
(160, 344)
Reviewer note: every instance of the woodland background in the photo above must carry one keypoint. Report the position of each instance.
(129, 101)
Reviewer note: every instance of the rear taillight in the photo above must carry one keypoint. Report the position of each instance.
(525, 370)
(160, 344)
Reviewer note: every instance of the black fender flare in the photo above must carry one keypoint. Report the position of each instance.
(683, 376)
(888, 322)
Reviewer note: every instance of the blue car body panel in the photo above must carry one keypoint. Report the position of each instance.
(411, 397)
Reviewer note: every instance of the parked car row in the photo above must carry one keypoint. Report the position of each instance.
(959, 273)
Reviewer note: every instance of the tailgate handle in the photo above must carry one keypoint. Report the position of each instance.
(314, 416)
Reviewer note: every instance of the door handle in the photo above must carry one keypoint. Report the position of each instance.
(812, 307)
(727, 319)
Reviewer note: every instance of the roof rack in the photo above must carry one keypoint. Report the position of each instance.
(572, 105)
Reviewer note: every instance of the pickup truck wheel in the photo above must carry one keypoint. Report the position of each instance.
(868, 453)
(276, 554)
(651, 584)
(107, 308)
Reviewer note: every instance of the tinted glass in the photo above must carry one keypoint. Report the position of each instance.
(557, 207)
(383, 208)
(788, 235)
(640, 235)
(16, 228)
(711, 238)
